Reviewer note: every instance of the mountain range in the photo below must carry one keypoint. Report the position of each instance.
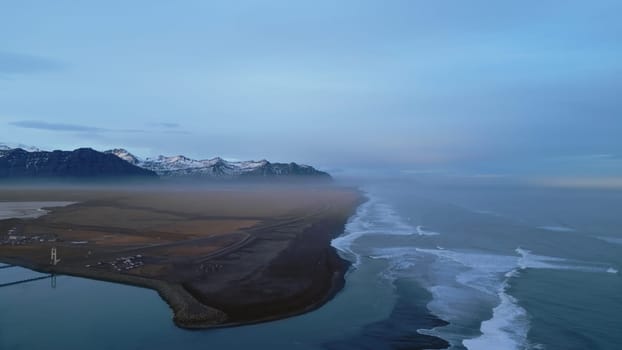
(181, 166)
(18, 163)
(29, 162)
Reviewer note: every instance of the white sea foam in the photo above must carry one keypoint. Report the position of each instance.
(354, 229)
(423, 232)
(372, 218)
(613, 240)
(476, 270)
(533, 261)
(508, 327)
(457, 275)
(529, 260)
(486, 212)
(461, 282)
(557, 228)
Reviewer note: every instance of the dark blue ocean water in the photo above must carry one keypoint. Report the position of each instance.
(510, 267)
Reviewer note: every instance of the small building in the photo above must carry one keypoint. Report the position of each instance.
(15, 237)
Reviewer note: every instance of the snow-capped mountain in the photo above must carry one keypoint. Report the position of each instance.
(125, 155)
(216, 167)
(10, 146)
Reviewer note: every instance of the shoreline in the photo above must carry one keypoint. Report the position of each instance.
(193, 309)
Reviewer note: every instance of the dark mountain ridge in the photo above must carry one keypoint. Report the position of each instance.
(80, 163)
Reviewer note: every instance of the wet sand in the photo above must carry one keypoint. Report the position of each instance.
(217, 257)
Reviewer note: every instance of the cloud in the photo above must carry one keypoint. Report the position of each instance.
(423, 171)
(589, 157)
(168, 128)
(15, 63)
(61, 127)
(179, 132)
(166, 125)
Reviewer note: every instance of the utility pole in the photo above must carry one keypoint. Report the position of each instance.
(53, 258)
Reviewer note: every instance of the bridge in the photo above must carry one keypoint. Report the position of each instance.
(52, 278)
(53, 260)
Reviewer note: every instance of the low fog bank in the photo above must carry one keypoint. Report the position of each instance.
(444, 180)
(164, 185)
(355, 180)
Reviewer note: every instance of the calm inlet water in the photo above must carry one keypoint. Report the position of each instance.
(469, 268)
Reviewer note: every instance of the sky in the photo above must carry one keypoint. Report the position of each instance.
(479, 88)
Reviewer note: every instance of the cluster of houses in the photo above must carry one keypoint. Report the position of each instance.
(124, 263)
(14, 237)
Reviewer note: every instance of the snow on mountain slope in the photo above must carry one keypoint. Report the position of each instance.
(9, 146)
(125, 155)
(5, 147)
(216, 167)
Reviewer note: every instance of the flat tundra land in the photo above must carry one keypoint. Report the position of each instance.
(218, 257)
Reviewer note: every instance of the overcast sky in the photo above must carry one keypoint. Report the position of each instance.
(486, 88)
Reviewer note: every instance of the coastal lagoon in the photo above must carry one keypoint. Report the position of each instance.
(27, 210)
(80, 313)
(493, 263)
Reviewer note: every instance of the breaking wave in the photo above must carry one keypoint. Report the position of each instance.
(459, 279)
(374, 217)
